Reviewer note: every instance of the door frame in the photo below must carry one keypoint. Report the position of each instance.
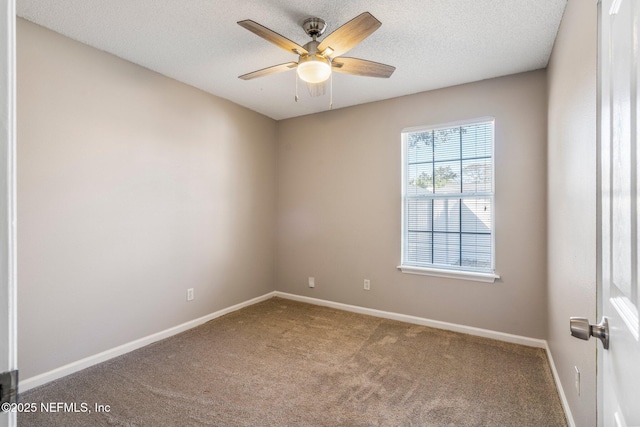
(8, 214)
(599, 129)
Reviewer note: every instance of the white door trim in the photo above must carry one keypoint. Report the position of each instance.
(8, 246)
(599, 127)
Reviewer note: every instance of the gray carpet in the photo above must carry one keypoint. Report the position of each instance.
(284, 363)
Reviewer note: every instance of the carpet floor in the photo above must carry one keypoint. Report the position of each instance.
(285, 363)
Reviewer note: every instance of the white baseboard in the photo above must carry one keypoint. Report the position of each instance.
(486, 333)
(563, 396)
(78, 365)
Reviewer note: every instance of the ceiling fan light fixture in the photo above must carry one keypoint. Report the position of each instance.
(314, 68)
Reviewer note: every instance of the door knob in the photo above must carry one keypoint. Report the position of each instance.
(580, 328)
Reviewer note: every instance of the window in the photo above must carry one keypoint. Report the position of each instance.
(447, 188)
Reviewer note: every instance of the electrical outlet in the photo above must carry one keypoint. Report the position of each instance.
(577, 379)
(367, 284)
(312, 282)
(190, 294)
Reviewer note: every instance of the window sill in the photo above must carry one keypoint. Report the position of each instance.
(451, 274)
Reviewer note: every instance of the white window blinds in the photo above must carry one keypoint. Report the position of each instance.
(448, 197)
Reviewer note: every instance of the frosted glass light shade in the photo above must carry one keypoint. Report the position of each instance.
(314, 69)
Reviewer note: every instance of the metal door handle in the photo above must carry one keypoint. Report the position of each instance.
(580, 328)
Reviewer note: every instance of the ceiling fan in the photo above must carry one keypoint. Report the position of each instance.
(317, 59)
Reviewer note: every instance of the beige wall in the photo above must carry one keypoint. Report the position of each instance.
(339, 206)
(572, 202)
(132, 187)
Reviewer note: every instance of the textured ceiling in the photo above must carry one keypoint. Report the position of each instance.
(432, 43)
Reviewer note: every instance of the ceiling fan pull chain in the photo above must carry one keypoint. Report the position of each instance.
(296, 87)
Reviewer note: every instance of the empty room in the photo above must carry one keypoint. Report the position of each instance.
(288, 213)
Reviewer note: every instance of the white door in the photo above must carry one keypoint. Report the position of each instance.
(8, 359)
(619, 367)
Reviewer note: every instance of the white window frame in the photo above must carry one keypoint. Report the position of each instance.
(447, 271)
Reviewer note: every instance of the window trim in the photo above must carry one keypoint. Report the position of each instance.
(436, 270)
(476, 276)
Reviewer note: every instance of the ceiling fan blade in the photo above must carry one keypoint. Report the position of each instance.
(317, 89)
(349, 35)
(362, 67)
(272, 36)
(269, 70)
